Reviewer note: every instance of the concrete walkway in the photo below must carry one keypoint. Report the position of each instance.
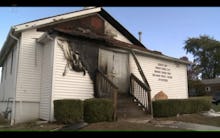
(187, 126)
(172, 124)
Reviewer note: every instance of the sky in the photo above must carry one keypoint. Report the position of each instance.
(163, 29)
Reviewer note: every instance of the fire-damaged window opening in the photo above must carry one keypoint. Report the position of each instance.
(72, 57)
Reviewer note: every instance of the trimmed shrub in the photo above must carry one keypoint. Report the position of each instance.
(172, 107)
(68, 111)
(98, 110)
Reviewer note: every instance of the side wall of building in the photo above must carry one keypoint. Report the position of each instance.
(162, 75)
(46, 79)
(29, 68)
(28, 77)
(8, 80)
(74, 85)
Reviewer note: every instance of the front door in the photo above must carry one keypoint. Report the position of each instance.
(115, 66)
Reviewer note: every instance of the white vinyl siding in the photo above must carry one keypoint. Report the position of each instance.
(174, 88)
(73, 85)
(7, 86)
(46, 80)
(12, 60)
(29, 75)
(26, 111)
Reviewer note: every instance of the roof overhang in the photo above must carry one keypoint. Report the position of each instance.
(55, 19)
(7, 46)
(76, 15)
(17, 29)
(115, 43)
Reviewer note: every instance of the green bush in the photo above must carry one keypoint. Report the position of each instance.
(68, 110)
(172, 107)
(97, 110)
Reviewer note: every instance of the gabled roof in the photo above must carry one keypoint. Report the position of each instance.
(17, 29)
(98, 38)
(81, 13)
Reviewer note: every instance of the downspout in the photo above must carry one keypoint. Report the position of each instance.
(12, 121)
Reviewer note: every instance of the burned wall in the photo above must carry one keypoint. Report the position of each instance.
(92, 23)
(88, 53)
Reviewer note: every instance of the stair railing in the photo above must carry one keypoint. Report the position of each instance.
(141, 93)
(107, 89)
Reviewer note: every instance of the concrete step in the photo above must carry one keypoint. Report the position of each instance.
(127, 108)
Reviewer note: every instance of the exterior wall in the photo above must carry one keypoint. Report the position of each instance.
(46, 80)
(111, 31)
(29, 68)
(162, 75)
(26, 111)
(71, 86)
(3, 106)
(7, 85)
(89, 54)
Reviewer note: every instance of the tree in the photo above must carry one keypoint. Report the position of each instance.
(192, 73)
(206, 53)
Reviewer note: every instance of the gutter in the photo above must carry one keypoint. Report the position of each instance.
(12, 121)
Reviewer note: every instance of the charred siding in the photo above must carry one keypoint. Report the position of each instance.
(74, 85)
(89, 55)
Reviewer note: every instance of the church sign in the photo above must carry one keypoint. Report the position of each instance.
(162, 72)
